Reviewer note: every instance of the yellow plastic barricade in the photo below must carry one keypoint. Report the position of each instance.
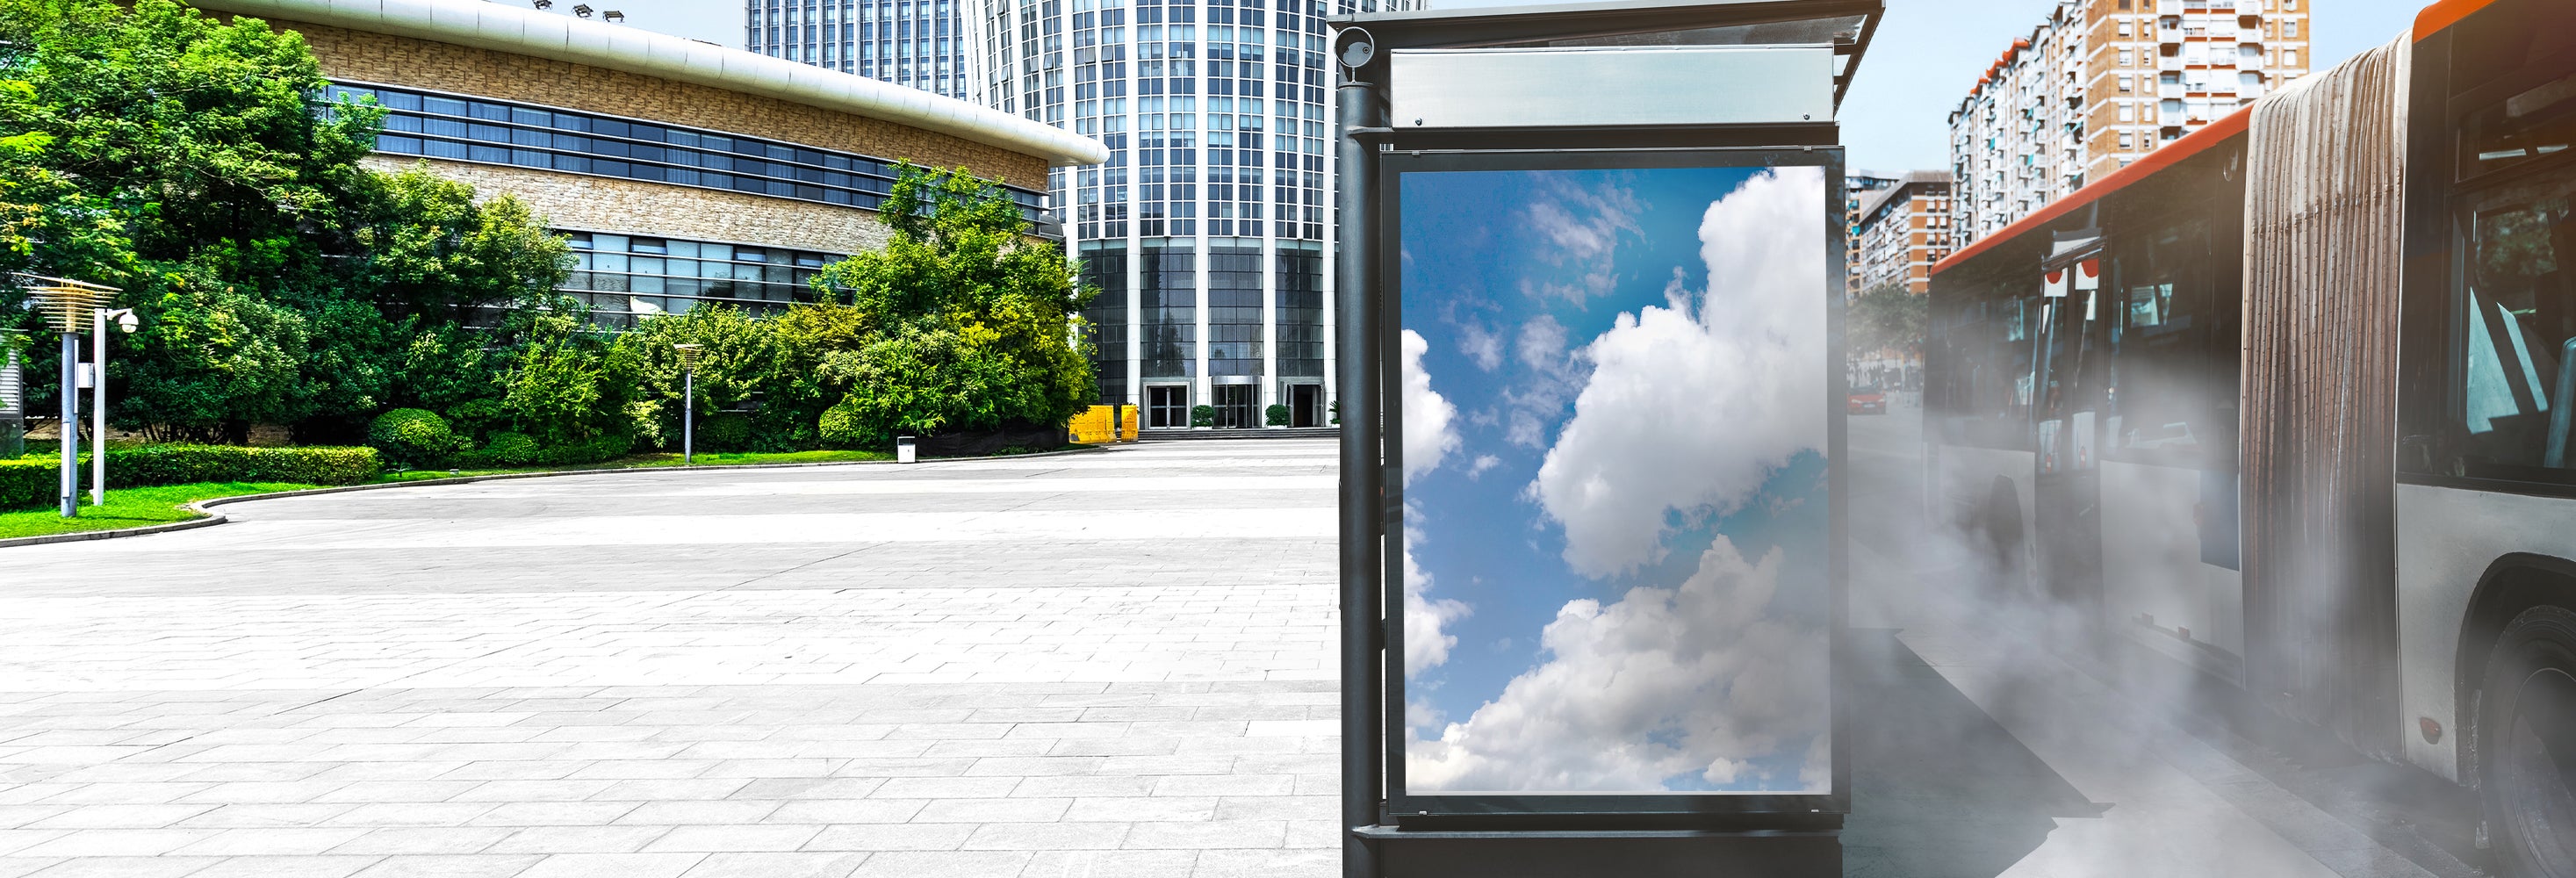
(1094, 426)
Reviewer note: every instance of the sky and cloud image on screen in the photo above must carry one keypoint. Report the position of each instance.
(1617, 523)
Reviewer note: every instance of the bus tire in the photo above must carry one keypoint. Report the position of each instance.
(2526, 745)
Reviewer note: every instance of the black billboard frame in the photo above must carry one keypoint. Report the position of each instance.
(1790, 812)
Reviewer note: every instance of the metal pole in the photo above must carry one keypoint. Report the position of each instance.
(70, 428)
(98, 407)
(1363, 769)
(688, 415)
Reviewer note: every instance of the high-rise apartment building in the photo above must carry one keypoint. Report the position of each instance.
(1858, 186)
(916, 43)
(1209, 231)
(1903, 230)
(2099, 84)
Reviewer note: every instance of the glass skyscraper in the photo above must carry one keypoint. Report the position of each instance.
(912, 43)
(1209, 230)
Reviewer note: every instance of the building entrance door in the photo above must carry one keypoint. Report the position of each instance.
(1167, 408)
(1237, 406)
(1305, 405)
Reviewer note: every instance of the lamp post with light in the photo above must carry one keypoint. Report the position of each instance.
(125, 320)
(688, 401)
(69, 305)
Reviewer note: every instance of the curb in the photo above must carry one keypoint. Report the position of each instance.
(212, 518)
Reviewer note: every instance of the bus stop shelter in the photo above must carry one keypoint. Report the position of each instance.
(1497, 716)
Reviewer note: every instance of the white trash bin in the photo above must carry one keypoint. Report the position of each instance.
(903, 452)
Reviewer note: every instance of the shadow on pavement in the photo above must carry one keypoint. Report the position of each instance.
(1939, 789)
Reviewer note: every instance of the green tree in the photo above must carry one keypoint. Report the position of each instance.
(1884, 318)
(964, 322)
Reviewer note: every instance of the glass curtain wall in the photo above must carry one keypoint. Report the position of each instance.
(912, 43)
(1216, 115)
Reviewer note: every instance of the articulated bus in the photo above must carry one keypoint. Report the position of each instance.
(2289, 400)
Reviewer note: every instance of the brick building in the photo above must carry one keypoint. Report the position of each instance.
(2100, 83)
(1902, 230)
(685, 173)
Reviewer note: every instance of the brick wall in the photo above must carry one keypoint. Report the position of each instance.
(575, 201)
(424, 64)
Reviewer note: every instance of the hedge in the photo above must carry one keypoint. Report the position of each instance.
(33, 481)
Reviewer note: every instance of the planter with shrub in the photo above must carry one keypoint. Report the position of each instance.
(1276, 415)
(1202, 417)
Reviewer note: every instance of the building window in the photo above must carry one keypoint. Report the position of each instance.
(472, 129)
(626, 277)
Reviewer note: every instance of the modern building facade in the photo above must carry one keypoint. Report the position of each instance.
(2100, 83)
(1903, 230)
(912, 43)
(685, 173)
(1208, 230)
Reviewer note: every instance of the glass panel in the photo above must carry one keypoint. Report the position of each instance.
(2516, 330)
(1636, 596)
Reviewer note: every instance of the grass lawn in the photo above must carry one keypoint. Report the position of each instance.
(130, 507)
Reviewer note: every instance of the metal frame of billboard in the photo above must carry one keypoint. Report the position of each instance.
(1640, 810)
(1575, 834)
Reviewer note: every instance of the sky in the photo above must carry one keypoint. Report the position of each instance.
(715, 21)
(1928, 52)
(1614, 425)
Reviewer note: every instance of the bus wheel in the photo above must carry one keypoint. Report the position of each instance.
(2527, 745)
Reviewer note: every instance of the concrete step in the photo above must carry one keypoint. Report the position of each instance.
(1169, 435)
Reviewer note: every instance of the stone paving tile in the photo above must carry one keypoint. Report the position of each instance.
(757, 695)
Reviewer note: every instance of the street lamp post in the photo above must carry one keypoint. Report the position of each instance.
(98, 396)
(688, 401)
(69, 304)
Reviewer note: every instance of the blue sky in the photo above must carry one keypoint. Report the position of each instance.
(1928, 52)
(1508, 277)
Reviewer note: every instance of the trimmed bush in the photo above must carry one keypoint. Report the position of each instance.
(31, 482)
(844, 427)
(505, 449)
(1203, 416)
(413, 437)
(1276, 415)
(607, 446)
(725, 431)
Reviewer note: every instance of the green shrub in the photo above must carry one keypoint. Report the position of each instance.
(413, 437)
(1203, 416)
(504, 449)
(844, 427)
(604, 447)
(724, 431)
(32, 482)
(179, 464)
(1276, 415)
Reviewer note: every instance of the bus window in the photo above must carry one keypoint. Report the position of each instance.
(2515, 328)
(2165, 401)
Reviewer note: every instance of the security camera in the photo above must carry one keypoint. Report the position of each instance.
(128, 323)
(1355, 46)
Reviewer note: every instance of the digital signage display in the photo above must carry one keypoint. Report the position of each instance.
(1614, 428)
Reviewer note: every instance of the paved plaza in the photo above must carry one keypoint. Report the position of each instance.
(1118, 663)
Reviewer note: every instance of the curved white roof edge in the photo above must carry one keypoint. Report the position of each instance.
(505, 28)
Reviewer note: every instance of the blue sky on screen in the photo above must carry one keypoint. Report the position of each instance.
(1615, 490)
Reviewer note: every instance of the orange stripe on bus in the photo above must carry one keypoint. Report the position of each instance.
(2444, 14)
(2174, 153)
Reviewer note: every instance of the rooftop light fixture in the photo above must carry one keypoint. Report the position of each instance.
(613, 15)
(582, 10)
(543, 4)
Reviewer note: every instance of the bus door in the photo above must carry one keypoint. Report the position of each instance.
(2068, 377)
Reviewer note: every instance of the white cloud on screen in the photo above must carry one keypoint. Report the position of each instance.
(1430, 431)
(1694, 681)
(1692, 405)
(1426, 641)
(1581, 228)
(1481, 345)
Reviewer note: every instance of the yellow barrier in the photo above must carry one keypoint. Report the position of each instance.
(1093, 427)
